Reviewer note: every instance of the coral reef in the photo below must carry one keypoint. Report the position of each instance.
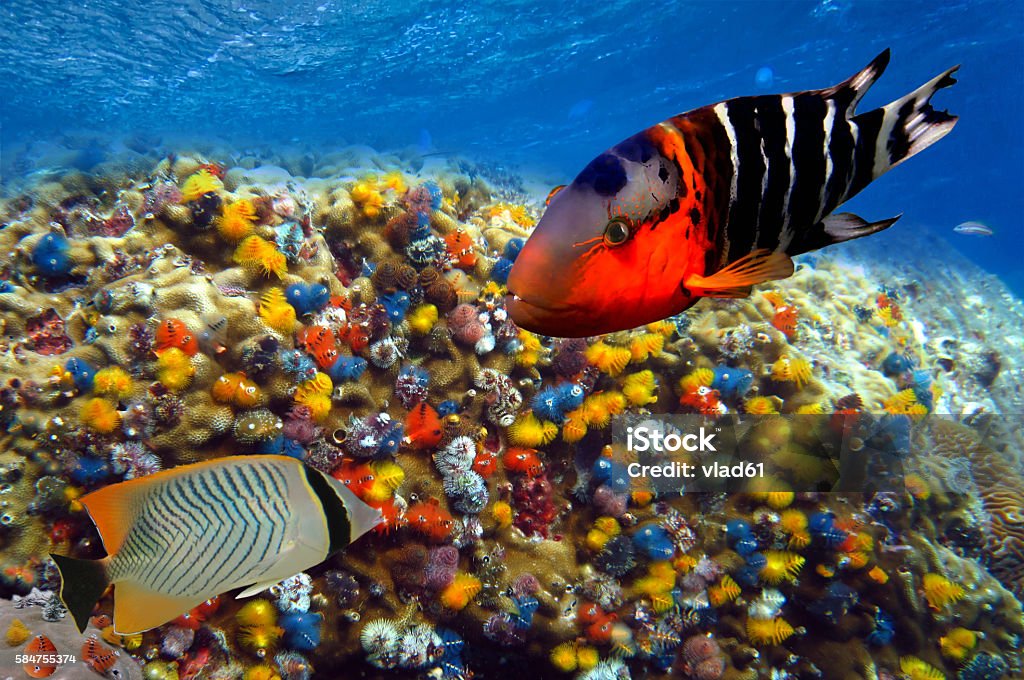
(353, 317)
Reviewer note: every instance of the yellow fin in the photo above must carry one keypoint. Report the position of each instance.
(111, 510)
(736, 279)
(137, 609)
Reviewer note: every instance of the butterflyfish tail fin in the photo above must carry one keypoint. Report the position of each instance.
(82, 584)
(736, 278)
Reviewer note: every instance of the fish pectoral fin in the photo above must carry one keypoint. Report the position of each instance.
(257, 588)
(846, 226)
(723, 292)
(736, 279)
(137, 609)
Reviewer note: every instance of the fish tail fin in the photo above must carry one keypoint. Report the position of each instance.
(83, 583)
(848, 93)
(904, 127)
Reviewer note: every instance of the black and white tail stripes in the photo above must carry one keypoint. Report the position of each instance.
(892, 134)
(796, 157)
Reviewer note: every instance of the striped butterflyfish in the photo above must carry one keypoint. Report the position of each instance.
(711, 202)
(182, 536)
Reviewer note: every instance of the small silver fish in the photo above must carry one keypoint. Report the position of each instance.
(973, 229)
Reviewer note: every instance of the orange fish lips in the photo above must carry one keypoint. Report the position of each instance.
(545, 283)
(539, 302)
(567, 282)
(569, 321)
(541, 320)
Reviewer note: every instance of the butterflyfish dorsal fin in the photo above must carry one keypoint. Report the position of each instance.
(137, 609)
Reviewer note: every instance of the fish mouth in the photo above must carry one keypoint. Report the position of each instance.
(555, 320)
(523, 313)
(547, 307)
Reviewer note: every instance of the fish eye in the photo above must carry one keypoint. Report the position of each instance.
(616, 233)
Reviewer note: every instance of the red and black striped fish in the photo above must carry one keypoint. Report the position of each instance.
(711, 202)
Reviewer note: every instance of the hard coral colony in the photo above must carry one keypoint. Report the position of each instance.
(359, 325)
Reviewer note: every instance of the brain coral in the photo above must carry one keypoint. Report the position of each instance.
(1002, 494)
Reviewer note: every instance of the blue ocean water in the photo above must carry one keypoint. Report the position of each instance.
(546, 85)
